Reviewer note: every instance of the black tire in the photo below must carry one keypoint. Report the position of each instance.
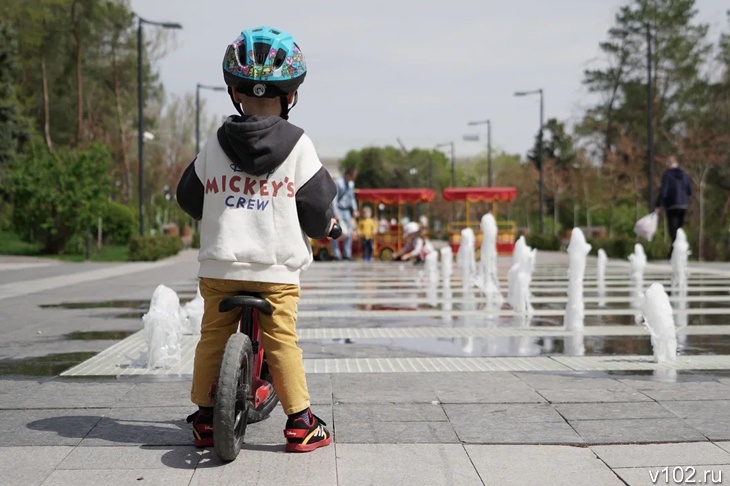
(232, 397)
(323, 255)
(386, 255)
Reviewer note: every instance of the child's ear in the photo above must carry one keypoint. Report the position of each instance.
(237, 96)
(290, 97)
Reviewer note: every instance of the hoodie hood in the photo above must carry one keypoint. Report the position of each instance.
(258, 144)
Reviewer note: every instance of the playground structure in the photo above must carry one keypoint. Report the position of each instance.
(387, 204)
(506, 229)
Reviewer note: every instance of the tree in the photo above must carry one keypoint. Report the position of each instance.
(13, 126)
(57, 195)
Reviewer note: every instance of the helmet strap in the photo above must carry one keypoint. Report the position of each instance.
(285, 108)
(236, 105)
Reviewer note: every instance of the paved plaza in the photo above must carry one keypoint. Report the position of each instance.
(415, 393)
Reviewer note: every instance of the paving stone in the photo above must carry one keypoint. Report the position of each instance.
(381, 464)
(383, 388)
(710, 409)
(689, 391)
(119, 477)
(512, 432)
(131, 457)
(487, 414)
(29, 466)
(635, 431)
(645, 455)
(715, 429)
(268, 465)
(573, 381)
(643, 476)
(618, 410)
(568, 395)
(160, 394)
(395, 433)
(395, 412)
(544, 465)
(46, 427)
(320, 388)
(141, 426)
(483, 388)
(62, 394)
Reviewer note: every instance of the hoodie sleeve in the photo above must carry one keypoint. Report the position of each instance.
(190, 192)
(315, 193)
(663, 189)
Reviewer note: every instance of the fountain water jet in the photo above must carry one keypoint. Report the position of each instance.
(657, 312)
(465, 257)
(519, 278)
(578, 251)
(638, 263)
(447, 268)
(163, 329)
(432, 274)
(487, 279)
(601, 277)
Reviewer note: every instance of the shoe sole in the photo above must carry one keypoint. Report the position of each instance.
(294, 447)
(203, 443)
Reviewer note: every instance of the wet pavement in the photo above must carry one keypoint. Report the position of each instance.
(532, 404)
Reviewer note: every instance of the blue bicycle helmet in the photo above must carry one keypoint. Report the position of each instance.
(264, 62)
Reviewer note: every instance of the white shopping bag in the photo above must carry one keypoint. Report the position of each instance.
(646, 226)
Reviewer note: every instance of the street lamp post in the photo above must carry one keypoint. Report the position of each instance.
(453, 171)
(198, 87)
(140, 110)
(649, 118)
(489, 147)
(539, 151)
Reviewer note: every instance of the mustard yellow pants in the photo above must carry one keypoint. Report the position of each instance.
(278, 336)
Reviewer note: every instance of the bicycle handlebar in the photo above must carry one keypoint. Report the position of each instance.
(335, 232)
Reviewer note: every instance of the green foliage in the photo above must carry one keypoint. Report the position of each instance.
(617, 247)
(58, 195)
(13, 126)
(392, 168)
(546, 242)
(12, 244)
(118, 223)
(196, 240)
(151, 248)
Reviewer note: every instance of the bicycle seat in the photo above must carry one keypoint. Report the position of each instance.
(243, 300)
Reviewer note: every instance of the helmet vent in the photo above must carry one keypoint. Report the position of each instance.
(275, 32)
(260, 52)
(256, 30)
(279, 58)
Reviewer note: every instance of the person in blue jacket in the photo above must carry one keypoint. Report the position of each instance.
(674, 196)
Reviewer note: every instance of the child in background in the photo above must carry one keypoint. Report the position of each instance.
(417, 245)
(367, 229)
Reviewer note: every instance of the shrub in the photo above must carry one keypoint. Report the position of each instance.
(196, 240)
(151, 248)
(118, 223)
(543, 242)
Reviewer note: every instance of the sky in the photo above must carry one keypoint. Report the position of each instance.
(410, 69)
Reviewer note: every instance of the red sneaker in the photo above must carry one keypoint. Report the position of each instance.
(301, 437)
(202, 429)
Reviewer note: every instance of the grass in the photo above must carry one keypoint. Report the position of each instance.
(11, 244)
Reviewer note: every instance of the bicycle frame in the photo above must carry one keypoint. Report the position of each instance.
(249, 325)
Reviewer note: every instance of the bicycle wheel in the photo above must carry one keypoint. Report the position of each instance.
(233, 392)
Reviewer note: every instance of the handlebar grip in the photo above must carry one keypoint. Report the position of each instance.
(335, 232)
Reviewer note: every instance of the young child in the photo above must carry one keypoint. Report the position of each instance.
(417, 245)
(259, 190)
(367, 227)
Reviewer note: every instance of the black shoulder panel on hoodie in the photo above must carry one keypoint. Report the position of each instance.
(190, 193)
(258, 144)
(314, 204)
